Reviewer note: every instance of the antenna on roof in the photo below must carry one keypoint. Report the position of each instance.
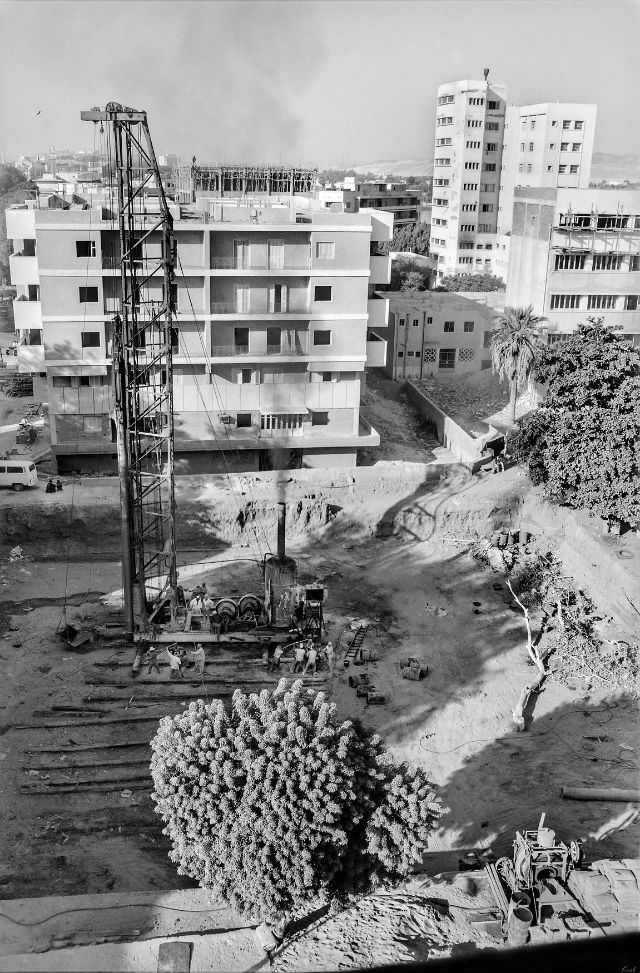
(486, 73)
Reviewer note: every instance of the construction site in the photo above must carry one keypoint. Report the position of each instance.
(486, 635)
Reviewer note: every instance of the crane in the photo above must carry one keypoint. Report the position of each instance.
(143, 337)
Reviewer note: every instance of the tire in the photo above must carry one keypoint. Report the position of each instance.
(17, 487)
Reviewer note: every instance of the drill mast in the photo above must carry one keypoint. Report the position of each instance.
(142, 371)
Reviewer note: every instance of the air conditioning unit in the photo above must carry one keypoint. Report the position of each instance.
(228, 420)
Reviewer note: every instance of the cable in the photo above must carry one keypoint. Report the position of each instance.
(108, 908)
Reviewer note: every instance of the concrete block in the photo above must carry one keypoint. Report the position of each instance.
(604, 904)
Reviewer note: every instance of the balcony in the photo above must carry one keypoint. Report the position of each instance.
(261, 305)
(27, 314)
(380, 269)
(376, 350)
(24, 270)
(378, 309)
(228, 351)
(30, 358)
(255, 263)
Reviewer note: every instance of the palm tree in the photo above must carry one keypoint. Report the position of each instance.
(514, 346)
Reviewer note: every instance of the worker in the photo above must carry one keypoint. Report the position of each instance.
(50, 487)
(300, 654)
(265, 657)
(58, 485)
(175, 663)
(312, 656)
(277, 655)
(197, 658)
(195, 603)
(299, 615)
(152, 659)
(329, 654)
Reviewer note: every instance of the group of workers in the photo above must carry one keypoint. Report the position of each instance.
(306, 656)
(52, 487)
(193, 658)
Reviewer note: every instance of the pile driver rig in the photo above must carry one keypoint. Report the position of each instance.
(143, 373)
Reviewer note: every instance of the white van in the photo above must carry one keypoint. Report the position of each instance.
(17, 474)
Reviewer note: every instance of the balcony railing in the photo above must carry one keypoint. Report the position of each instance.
(228, 351)
(253, 263)
(262, 306)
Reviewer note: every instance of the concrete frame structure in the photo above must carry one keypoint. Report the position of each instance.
(275, 311)
(576, 253)
(389, 197)
(435, 333)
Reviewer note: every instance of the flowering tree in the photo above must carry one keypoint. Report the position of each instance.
(276, 802)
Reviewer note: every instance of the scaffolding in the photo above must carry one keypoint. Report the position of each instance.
(241, 180)
(142, 370)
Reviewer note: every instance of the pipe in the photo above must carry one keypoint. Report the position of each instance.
(282, 526)
(600, 794)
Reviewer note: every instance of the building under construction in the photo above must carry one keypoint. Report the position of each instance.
(240, 180)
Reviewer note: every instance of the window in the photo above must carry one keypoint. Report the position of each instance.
(443, 141)
(88, 295)
(447, 358)
(491, 146)
(243, 420)
(601, 302)
(487, 208)
(552, 145)
(491, 126)
(484, 228)
(465, 260)
(90, 339)
(85, 248)
(533, 124)
(319, 418)
(488, 187)
(84, 382)
(529, 167)
(322, 337)
(416, 322)
(440, 182)
(444, 120)
(521, 168)
(325, 250)
(440, 201)
(469, 326)
(323, 292)
(530, 146)
(566, 125)
(569, 261)
(489, 167)
(473, 145)
(429, 320)
(446, 99)
(241, 339)
(522, 146)
(401, 354)
(472, 165)
(326, 376)
(562, 168)
(549, 168)
(474, 123)
(578, 125)
(244, 376)
(493, 105)
(466, 245)
(468, 207)
(576, 146)
(564, 301)
(631, 302)
(573, 169)
(606, 261)
(442, 162)
(564, 146)
(470, 185)
(634, 263)
(449, 327)
(467, 227)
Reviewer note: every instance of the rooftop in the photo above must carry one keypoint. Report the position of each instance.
(474, 401)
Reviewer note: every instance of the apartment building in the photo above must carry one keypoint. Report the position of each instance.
(390, 197)
(436, 333)
(276, 322)
(576, 253)
(466, 175)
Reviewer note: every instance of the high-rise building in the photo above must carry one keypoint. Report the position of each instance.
(466, 175)
(483, 151)
(576, 253)
(275, 311)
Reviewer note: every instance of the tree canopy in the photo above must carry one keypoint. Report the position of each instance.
(515, 347)
(410, 275)
(14, 188)
(583, 443)
(414, 239)
(470, 282)
(275, 802)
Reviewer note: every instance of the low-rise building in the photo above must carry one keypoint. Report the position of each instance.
(276, 321)
(397, 198)
(438, 333)
(576, 253)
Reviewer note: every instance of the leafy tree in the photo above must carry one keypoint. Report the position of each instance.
(412, 238)
(14, 188)
(514, 346)
(583, 443)
(403, 270)
(275, 802)
(9, 178)
(470, 282)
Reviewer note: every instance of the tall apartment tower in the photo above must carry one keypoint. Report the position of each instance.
(545, 146)
(467, 164)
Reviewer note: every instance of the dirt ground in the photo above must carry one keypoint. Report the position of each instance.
(422, 593)
(403, 433)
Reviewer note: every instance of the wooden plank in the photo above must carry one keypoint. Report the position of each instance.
(105, 721)
(87, 788)
(103, 763)
(82, 748)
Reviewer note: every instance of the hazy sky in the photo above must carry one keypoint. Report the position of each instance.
(322, 83)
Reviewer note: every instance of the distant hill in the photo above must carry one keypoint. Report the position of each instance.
(395, 167)
(615, 168)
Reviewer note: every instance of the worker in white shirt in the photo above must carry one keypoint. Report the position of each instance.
(277, 655)
(175, 663)
(195, 603)
(300, 654)
(197, 658)
(329, 653)
(312, 657)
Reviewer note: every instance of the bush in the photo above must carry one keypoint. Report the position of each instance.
(275, 802)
